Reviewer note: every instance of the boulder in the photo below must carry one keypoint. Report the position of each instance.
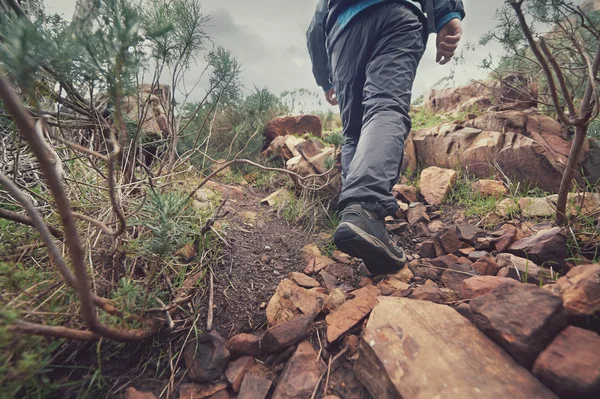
(244, 345)
(300, 375)
(546, 248)
(452, 99)
(255, 385)
(286, 334)
(476, 286)
(206, 357)
(420, 350)
(417, 213)
(570, 366)
(285, 125)
(522, 318)
(351, 312)
(407, 194)
(236, 371)
(436, 183)
(302, 280)
(201, 391)
(290, 300)
(490, 188)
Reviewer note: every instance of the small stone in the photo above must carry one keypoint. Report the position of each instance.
(455, 275)
(486, 266)
(446, 242)
(286, 334)
(417, 213)
(520, 269)
(467, 251)
(427, 250)
(397, 228)
(200, 391)
(433, 293)
(546, 248)
(340, 271)
(290, 300)
(436, 183)
(309, 252)
(301, 374)
(303, 280)
(475, 256)
(278, 197)
(536, 207)
(481, 285)
(254, 386)
(508, 237)
(244, 345)
(132, 393)
(435, 226)
(206, 357)
(404, 275)
(341, 257)
(236, 371)
(570, 366)
(468, 233)
(444, 262)
(335, 299)
(405, 193)
(424, 269)
(351, 312)
(491, 188)
(390, 286)
(329, 281)
(522, 318)
(507, 208)
(318, 263)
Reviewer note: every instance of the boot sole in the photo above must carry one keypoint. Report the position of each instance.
(357, 243)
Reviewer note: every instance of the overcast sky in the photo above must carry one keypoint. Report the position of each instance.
(269, 38)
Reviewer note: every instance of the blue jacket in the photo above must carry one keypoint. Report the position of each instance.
(326, 27)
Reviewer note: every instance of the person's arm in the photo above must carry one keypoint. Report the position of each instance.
(447, 15)
(316, 46)
(445, 11)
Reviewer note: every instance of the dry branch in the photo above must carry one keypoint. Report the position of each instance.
(17, 217)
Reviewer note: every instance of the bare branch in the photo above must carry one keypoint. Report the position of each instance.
(17, 217)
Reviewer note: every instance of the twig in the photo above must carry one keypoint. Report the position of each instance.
(170, 323)
(211, 300)
(17, 217)
(331, 362)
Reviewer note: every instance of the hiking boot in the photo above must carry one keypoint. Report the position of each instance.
(362, 234)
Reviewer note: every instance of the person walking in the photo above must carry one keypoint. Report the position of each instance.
(365, 55)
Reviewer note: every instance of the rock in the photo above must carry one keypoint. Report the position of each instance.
(244, 345)
(507, 239)
(507, 207)
(436, 226)
(404, 275)
(132, 393)
(546, 248)
(433, 293)
(317, 263)
(486, 266)
(427, 250)
(300, 375)
(329, 281)
(476, 255)
(206, 357)
(491, 188)
(237, 370)
(302, 280)
(310, 148)
(417, 213)
(436, 183)
(465, 311)
(466, 251)
(424, 270)
(412, 349)
(454, 276)
(407, 194)
(391, 286)
(518, 268)
(351, 312)
(536, 207)
(200, 391)
(335, 299)
(468, 233)
(290, 300)
(519, 90)
(446, 242)
(449, 100)
(580, 291)
(340, 271)
(523, 319)
(284, 125)
(254, 386)
(444, 262)
(397, 228)
(341, 257)
(278, 197)
(286, 334)
(481, 285)
(570, 366)
(234, 193)
(309, 252)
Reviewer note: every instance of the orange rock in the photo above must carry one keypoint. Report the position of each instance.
(317, 263)
(236, 371)
(351, 312)
(436, 184)
(132, 393)
(290, 300)
(481, 285)
(491, 188)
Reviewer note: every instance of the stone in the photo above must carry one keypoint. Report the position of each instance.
(481, 285)
(580, 291)
(417, 213)
(290, 300)
(284, 125)
(436, 226)
(454, 276)
(427, 250)
(302, 280)
(421, 350)
(280, 196)
(340, 271)
(407, 194)
(341, 257)
(300, 375)
(507, 238)
(234, 193)
(391, 286)
(206, 357)
(465, 311)
(507, 207)
(335, 299)
(436, 183)
(351, 312)
(468, 233)
(520, 269)
(286, 334)
(309, 252)
(490, 188)
(200, 391)
(244, 345)
(570, 366)
(466, 251)
(433, 293)
(404, 275)
(486, 266)
(397, 228)
(424, 269)
(546, 248)
(476, 255)
(446, 242)
(444, 262)
(522, 318)
(236, 371)
(132, 393)
(536, 207)
(451, 99)
(329, 281)
(254, 386)
(317, 263)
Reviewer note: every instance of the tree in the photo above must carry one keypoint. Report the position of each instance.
(559, 43)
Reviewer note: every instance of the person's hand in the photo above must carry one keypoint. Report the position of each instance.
(447, 41)
(330, 96)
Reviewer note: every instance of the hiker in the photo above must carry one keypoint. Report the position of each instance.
(365, 55)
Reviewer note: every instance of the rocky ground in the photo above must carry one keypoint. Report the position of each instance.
(494, 313)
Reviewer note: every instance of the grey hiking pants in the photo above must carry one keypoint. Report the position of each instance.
(374, 61)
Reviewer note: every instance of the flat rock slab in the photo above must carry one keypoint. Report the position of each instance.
(255, 385)
(523, 319)
(420, 350)
(302, 280)
(436, 183)
(351, 312)
(480, 285)
(300, 375)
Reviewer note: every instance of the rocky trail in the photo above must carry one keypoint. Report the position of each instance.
(476, 313)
